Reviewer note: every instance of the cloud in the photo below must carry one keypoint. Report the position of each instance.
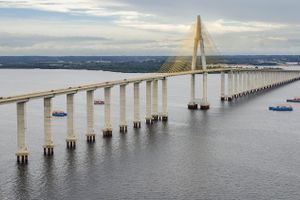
(222, 26)
(129, 27)
(26, 44)
(87, 7)
(151, 25)
(27, 40)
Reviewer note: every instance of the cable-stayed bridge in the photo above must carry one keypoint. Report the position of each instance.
(240, 82)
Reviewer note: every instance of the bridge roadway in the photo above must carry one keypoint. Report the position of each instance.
(70, 90)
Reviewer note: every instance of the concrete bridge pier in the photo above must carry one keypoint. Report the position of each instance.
(230, 86)
(265, 83)
(22, 153)
(267, 75)
(256, 81)
(136, 102)
(71, 138)
(271, 79)
(48, 143)
(90, 132)
(164, 94)
(251, 82)
(260, 81)
(235, 85)
(223, 86)
(149, 119)
(107, 130)
(192, 104)
(204, 103)
(123, 123)
(248, 82)
(155, 100)
(240, 84)
(245, 83)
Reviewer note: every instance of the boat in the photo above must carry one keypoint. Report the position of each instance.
(294, 100)
(281, 108)
(98, 102)
(59, 113)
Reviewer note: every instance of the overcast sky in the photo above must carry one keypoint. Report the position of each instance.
(146, 27)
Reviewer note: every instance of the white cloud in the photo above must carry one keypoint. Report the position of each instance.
(102, 8)
(277, 38)
(132, 29)
(221, 26)
(151, 25)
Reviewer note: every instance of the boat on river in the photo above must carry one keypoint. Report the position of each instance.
(98, 102)
(281, 108)
(59, 113)
(294, 100)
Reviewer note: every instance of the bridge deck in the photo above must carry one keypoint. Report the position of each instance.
(52, 93)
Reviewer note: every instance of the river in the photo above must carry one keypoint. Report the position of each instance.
(236, 150)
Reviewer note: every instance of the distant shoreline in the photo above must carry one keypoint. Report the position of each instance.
(133, 64)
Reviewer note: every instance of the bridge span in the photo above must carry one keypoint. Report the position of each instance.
(240, 82)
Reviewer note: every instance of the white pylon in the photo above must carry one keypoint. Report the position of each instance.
(199, 41)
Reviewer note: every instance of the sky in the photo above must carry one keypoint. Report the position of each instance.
(146, 27)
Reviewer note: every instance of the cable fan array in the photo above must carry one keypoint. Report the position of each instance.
(182, 57)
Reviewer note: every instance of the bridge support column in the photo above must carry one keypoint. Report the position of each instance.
(249, 86)
(22, 153)
(71, 138)
(123, 123)
(256, 81)
(48, 141)
(149, 119)
(235, 93)
(107, 130)
(90, 132)
(192, 104)
(155, 100)
(252, 82)
(222, 86)
(230, 86)
(164, 93)
(240, 87)
(136, 102)
(204, 103)
(245, 79)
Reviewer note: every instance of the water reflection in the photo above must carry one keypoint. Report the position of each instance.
(49, 184)
(22, 181)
